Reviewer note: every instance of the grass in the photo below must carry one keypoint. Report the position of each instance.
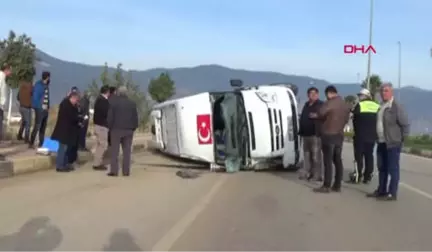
(415, 143)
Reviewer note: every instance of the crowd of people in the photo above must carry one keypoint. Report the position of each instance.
(322, 127)
(115, 119)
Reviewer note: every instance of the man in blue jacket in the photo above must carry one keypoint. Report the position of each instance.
(40, 105)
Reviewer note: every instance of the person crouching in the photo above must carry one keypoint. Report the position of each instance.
(66, 130)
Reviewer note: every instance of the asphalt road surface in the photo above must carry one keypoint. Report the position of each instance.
(156, 210)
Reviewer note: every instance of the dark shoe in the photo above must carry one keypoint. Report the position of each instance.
(63, 170)
(111, 174)
(19, 138)
(322, 189)
(310, 177)
(2, 157)
(126, 175)
(366, 181)
(100, 168)
(70, 167)
(336, 189)
(375, 194)
(84, 149)
(319, 179)
(388, 197)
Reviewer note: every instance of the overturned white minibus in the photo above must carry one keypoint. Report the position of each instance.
(247, 128)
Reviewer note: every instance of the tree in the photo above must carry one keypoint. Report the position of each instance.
(134, 91)
(119, 80)
(19, 53)
(375, 84)
(140, 99)
(104, 77)
(350, 99)
(161, 88)
(93, 90)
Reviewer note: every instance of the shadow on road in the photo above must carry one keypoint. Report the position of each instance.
(122, 240)
(37, 234)
(294, 177)
(172, 162)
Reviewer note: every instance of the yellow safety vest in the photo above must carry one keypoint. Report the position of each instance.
(369, 107)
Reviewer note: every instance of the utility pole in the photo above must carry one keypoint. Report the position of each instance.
(399, 69)
(370, 43)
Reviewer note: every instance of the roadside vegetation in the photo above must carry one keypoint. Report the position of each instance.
(19, 51)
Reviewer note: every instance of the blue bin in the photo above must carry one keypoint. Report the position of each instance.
(51, 145)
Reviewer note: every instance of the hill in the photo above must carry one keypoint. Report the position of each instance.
(216, 78)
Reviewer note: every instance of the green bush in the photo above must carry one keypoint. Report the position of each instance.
(415, 151)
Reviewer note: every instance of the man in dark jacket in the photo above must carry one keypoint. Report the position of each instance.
(334, 114)
(100, 115)
(40, 105)
(84, 105)
(309, 130)
(364, 123)
(72, 151)
(122, 122)
(112, 94)
(66, 130)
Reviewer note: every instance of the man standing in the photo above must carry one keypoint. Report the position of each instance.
(122, 122)
(85, 111)
(364, 124)
(25, 100)
(66, 130)
(392, 128)
(41, 105)
(334, 114)
(101, 107)
(72, 150)
(309, 130)
(5, 71)
(112, 94)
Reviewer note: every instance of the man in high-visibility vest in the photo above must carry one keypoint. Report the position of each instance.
(364, 123)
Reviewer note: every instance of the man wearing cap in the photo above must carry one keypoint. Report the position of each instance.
(364, 123)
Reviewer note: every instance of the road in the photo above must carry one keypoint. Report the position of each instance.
(156, 210)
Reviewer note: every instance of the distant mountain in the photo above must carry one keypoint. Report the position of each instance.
(216, 78)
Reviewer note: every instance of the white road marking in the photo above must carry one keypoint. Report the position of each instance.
(416, 190)
(169, 239)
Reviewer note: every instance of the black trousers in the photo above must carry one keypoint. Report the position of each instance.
(364, 151)
(83, 135)
(39, 126)
(332, 155)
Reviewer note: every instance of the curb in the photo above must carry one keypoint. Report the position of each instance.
(19, 166)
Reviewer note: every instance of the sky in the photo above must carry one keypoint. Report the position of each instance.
(301, 37)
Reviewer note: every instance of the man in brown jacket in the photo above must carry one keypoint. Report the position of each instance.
(24, 98)
(334, 114)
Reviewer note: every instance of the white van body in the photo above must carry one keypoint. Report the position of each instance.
(257, 125)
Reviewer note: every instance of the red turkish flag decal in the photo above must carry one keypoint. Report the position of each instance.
(204, 129)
